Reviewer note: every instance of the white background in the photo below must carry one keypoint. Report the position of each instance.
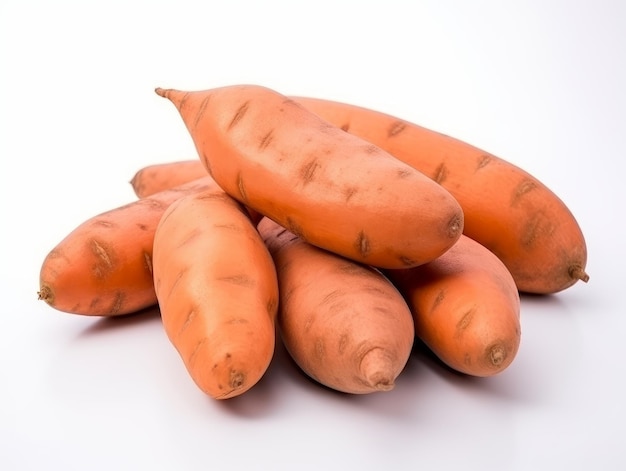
(539, 83)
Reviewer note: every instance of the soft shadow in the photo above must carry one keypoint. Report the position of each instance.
(111, 323)
(267, 395)
(497, 387)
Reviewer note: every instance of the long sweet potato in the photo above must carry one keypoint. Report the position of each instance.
(104, 266)
(333, 189)
(217, 291)
(466, 308)
(506, 209)
(342, 322)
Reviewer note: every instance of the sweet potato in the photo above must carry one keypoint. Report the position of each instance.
(506, 209)
(342, 322)
(466, 308)
(104, 266)
(217, 291)
(158, 177)
(331, 188)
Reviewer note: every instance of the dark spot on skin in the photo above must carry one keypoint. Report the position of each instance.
(464, 322)
(371, 149)
(345, 127)
(396, 128)
(201, 110)
(239, 114)
(405, 172)
(183, 101)
(240, 280)
(344, 341)
(272, 306)
(362, 245)
(104, 259)
(266, 140)
(326, 127)
(104, 223)
(291, 102)
(241, 187)
(147, 260)
(440, 297)
(142, 226)
(118, 302)
(350, 192)
(407, 261)
(307, 172)
(537, 226)
(441, 173)
(522, 189)
(483, 161)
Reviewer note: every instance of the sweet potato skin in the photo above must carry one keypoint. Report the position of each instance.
(217, 291)
(333, 189)
(342, 322)
(506, 209)
(466, 308)
(104, 266)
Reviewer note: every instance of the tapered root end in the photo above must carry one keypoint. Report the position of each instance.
(455, 226)
(46, 294)
(577, 272)
(378, 370)
(161, 92)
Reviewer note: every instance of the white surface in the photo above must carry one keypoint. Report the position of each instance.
(539, 83)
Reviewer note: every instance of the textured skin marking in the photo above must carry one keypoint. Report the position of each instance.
(464, 322)
(524, 187)
(239, 114)
(241, 187)
(240, 280)
(483, 161)
(396, 128)
(201, 109)
(441, 173)
(440, 297)
(266, 140)
(363, 245)
(405, 172)
(307, 172)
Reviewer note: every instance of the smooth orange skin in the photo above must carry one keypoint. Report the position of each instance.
(342, 322)
(506, 209)
(163, 176)
(333, 189)
(217, 291)
(466, 308)
(104, 266)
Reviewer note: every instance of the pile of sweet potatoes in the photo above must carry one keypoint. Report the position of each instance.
(343, 232)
